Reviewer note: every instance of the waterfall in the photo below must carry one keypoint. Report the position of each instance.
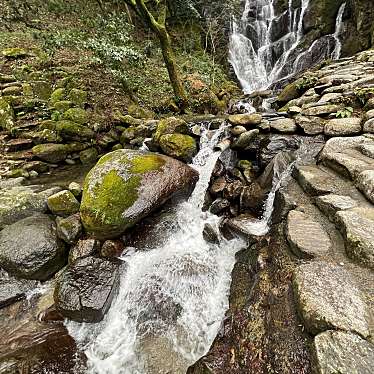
(172, 297)
(338, 28)
(266, 47)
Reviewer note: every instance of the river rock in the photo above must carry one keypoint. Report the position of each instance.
(179, 146)
(369, 126)
(330, 204)
(85, 289)
(321, 110)
(126, 185)
(307, 238)
(245, 139)
(53, 153)
(311, 125)
(341, 352)
(284, 125)
(247, 120)
(357, 226)
(365, 183)
(218, 186)
(170, 125)
(20, 202)
(63, 203)
(327, 298)
(112, 248)
(343, 126)
(69, 229)
(84, 248)
(30, 248)
(219, 206)
(238, 130)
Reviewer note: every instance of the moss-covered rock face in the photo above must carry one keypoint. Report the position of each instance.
(170, 125)
(63, 203)
(179, 146)
(74, 131)
(51, 152)
(6, 115)
(78, 97)
(126, 185)
(77, 115)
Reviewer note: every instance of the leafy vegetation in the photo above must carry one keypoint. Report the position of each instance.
(344, 113)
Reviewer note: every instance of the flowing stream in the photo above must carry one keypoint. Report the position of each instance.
(266, 47)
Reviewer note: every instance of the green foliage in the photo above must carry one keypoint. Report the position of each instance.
(364, 93)
(306, 82)
(344, 113)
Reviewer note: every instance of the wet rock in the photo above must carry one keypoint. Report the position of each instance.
(327, 298)
(30, 249)
(179, 146)
(209, 234)
(69, 229)
(321, 110)
(63, 203)
(20, 202)
(85, 289)
(306, 237)
(369, 126)
(84, 248)
(218, 186)
(252, 197)
(247, 120)
(170, 125)
(341, 352)
(284, 125)
(343, 126)
(331, 204)
(126, 185)
(311, 125)
(219, 206)
(12, 289)
(245, 139)
(365, 183)
(233, 190)
(88, 156)
(112, 248)
(238, 130)
(357, 226)
(247, 226)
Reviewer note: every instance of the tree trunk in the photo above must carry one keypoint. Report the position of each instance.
(171, 65)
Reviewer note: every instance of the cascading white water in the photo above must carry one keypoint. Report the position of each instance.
(172, 298)
(338, 29)
(261, 57)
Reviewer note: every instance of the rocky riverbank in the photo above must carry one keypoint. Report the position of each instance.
(301, 297)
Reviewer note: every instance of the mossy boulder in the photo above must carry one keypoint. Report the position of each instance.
(170, 125)
(41, 89)
(63, 203)
(51, 152)
(137, 111)
(74, 131)
(58, 94)
(77, 115)
(6, 115)
(289, 92)
(63, 105)
(127, 185)
(179, 146)
(78, 97)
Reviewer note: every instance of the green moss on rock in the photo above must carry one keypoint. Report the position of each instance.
(74, 131)
(63, 203)
(58, 95)
(78, 97)
(76, 115)
(179, 146)
(14, 53)
(170, 125)
(6, 115)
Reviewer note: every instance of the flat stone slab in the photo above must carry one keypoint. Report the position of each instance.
(321, 110)
(341, 352)
(343, 126)
(306, 237)
(330, 204)
(365, 183)
(314, 181)
(328, 298)
(357, 226)
(284, 125)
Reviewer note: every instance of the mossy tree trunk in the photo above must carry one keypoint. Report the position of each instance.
(158, 25)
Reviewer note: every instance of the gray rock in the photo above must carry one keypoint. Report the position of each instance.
(245, 139)
(330, 98)
(13, 182)
(357, 226)
(69, 229)
(210, 234)
(307, 238)
(85, 289)
(369, 114)
(84, 248)
(341, 352)
(30, 249)
(343, 126)
(321, 110)
(311, 125)
(367, 150)
(330, 204)
(284, 125)
(365, 183)
(17, 203)
(327, 298)
(63, 203)
(369, 126)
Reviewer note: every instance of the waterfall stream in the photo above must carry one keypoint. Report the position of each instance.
(266, 47)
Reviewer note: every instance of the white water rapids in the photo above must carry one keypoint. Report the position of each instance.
(173, 297)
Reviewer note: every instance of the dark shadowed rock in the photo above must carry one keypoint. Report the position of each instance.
(341, 352)
(125, 186)
(328, 298)
(112, 248)
(84, 248)
(85, 289)
(30, 248)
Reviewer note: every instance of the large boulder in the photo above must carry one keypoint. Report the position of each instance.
(85, 289)
(126, 185)
(30, 248)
